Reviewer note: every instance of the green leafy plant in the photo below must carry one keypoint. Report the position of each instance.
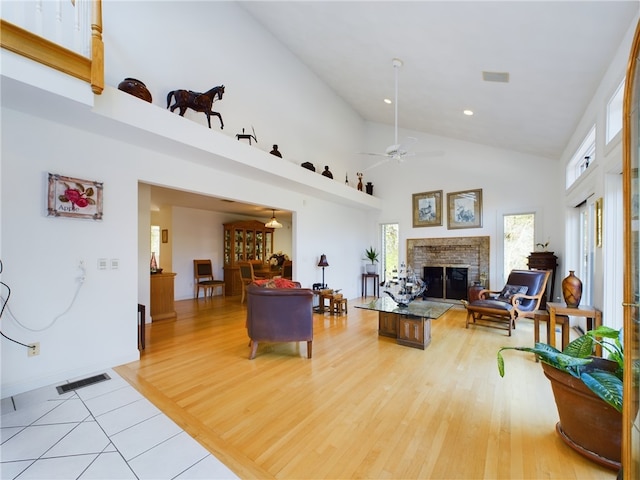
(371, 254)
(578, 354)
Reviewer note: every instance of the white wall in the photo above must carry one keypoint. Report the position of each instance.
(511, 182)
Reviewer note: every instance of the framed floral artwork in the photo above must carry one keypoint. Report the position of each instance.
(465, 209)
(73, 197)
(427, 209)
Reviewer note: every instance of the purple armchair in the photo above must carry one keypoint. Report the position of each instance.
(279, 315)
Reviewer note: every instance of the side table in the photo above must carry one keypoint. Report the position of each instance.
(376, 283)
(592, 314)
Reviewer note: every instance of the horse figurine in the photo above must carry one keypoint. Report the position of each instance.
(200, 102)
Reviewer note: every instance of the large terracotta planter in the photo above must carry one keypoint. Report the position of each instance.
(587, 424)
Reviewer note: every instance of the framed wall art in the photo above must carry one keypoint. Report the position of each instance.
(165, 235)
(598, 207)
(465, 209)
(73, 197)
(427, 209)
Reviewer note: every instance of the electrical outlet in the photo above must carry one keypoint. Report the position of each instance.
(34, 349)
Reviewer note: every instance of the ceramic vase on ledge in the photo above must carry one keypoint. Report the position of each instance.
(572, 290)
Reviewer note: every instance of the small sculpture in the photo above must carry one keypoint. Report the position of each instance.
(308, 166)
(326, 172)
(136, 88)
(200, 102)
(359, 181)
(247, 136)
(275, 151)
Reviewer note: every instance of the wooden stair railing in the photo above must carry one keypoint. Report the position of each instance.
(46, 52)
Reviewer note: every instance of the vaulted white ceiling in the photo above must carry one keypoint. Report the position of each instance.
(554, 52)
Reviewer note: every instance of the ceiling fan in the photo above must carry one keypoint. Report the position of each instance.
(398, 151)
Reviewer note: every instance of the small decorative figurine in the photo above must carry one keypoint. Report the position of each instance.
(200, 102)
(326, 172)
(247, 136)
(136, 88)
(275, 151)
(359, 181)
(346, 179)
(369, 187)
(308, 166)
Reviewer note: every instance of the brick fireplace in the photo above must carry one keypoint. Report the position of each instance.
(452, 251)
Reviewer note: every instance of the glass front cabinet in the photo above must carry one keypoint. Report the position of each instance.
(244, 241)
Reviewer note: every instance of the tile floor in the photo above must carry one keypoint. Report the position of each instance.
(103, 431)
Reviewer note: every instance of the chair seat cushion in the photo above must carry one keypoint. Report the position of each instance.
(491, 305)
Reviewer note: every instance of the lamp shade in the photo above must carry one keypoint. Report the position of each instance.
(273, 223)
(323, 261)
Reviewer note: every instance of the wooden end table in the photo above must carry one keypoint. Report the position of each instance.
(592, 314)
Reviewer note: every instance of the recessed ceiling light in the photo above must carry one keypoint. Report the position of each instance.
(387, 101)
(468, 112)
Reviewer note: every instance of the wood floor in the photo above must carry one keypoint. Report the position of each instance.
(363, 406)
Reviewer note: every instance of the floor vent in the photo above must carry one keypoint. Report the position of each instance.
(85, 382)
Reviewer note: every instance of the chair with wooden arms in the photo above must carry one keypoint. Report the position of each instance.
(203, 278)
(520, 297)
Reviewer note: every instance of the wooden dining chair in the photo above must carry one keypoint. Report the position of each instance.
(287, 269)
(203, 279)
(247, 276)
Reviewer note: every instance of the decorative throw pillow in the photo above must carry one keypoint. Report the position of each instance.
(510, 290)
(275, 283)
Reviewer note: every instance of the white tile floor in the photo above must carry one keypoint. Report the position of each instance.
(102, 431)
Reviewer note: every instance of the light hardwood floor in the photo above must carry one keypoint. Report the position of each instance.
(363, 406)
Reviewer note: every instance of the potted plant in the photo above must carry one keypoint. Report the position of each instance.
(587, 391)
(372, 255)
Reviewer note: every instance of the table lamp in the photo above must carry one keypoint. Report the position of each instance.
(323, 263)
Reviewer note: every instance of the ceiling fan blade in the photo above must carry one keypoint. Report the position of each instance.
(377, 164)
(408, 143)
(373, 154)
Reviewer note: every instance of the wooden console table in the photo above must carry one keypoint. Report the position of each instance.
(410, 326)
(162, 296)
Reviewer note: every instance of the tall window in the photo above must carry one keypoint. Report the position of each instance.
(587, 249)
(519, 234)
(389, 257)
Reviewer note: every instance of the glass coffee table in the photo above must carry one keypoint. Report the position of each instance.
(411, 325)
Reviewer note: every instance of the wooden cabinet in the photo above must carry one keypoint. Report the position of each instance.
(408, 330)
(243, 241)
(388, 324)
(545, 261)
(414, 331)
(162, 296)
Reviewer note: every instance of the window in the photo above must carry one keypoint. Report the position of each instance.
(389, 257)
(519, 234)
(587, 250)
(584, 156)
(155, 242)
(614, 113)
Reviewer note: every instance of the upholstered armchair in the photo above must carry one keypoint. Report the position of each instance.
(520, 297)
(279, 315)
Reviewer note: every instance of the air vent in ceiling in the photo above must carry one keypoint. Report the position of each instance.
(502, 77)
(85, 382)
